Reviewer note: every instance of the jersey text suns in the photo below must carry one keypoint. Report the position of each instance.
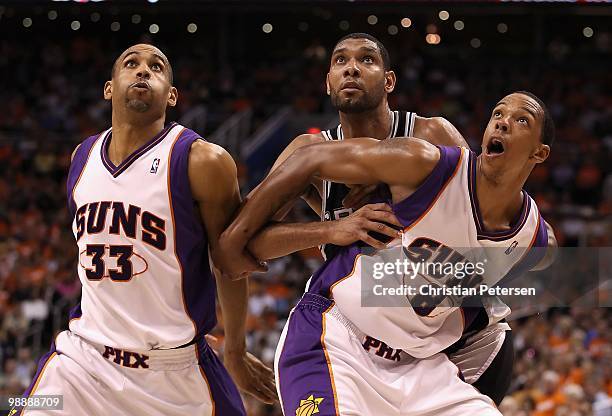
(133, 222)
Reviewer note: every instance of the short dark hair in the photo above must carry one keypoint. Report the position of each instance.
(384, 54)
(548, 126)
(170, 71)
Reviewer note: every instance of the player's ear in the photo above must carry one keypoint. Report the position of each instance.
(541, 153)
(327, 84)
(172, 97)
(108, 90)
(390, 81)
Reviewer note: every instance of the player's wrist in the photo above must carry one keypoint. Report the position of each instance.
(234, 349)
(329, 231)
(326, 230)
(231, 242)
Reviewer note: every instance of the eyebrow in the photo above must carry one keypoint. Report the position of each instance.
(522, 108)
(530, 112)
(362, 48)
(161, 58)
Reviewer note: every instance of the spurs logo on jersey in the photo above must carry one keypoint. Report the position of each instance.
(402, 125)
(443, 220)
(143, 258)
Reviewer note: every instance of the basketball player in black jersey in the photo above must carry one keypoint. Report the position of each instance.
(358, 82)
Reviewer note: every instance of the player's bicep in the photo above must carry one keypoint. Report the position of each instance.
(369, 161)
(343, 161)
(214, 185)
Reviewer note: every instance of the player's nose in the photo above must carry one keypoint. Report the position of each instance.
(502, 125)
(351, 69)
(143, 72)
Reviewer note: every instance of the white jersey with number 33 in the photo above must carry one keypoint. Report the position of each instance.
(142, 252)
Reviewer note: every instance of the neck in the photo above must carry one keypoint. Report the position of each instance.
(499, 200)
(129, 135)
(375, 123)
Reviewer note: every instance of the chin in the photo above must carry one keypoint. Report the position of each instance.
(353, 107)
(138, 106)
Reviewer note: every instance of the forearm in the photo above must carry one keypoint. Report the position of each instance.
(281, 239)
(362, 161)
(285, 184)
(233, 299)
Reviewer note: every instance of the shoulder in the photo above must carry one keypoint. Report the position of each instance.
(299, 142)
(212, 172)
(438, 130)
(200, 152)
(306, 139)
(412, 146)
(426, 126)
(209, 156)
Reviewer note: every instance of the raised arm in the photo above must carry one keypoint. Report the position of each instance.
(398, 162)
(217, 200)
(278, 239)
(435, 130)
(311, 194)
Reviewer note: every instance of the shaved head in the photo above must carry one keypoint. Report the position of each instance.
(144, 47)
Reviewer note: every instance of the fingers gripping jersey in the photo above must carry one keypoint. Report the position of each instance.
(402, 125)
(441, 215)
(143, 253)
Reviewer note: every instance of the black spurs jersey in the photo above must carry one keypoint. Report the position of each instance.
(402, 125)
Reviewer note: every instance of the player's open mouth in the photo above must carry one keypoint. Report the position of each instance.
(495, 147)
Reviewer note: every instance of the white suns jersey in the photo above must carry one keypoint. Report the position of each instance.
(143, 254)
(442, 224)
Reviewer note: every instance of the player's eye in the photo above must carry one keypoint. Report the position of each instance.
(368, 59)
(496, 113)
(523, 120)
(156, 67)
(130, 64)
(339, 59)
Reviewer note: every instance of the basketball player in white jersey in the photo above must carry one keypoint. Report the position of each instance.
(448, 201)
(148, 202)
(358, 83)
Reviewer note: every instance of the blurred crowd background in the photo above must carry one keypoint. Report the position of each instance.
(267, 63)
